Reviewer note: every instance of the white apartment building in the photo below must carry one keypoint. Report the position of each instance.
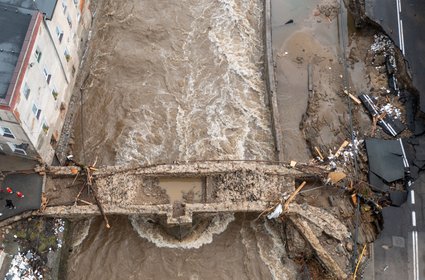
(39, 58)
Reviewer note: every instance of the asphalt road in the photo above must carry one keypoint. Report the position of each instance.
(13, 164)
(399, 252)
(413, 17)
(28, 184)
(404, 22)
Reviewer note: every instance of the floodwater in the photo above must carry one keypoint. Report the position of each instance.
(176, 80)
(238, 250)
(178, 189)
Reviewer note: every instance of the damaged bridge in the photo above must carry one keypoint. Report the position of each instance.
(176, 191)
(179, 194)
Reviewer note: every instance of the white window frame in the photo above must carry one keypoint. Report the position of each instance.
(69, 20)
(6, 132)
(59, 33)
(53, 89)
(26, 90)
(37, 110)
(64, 6)
(16, 150)
(44, 123)
(66, 53)
(38, 53)
(47, 74)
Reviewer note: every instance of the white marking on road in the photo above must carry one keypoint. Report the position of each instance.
(412, 196)
(400, 27)
(405, 162)
(415, 255)
(402, 37)
(414, 218)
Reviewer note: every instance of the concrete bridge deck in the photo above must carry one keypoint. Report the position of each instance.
(178, 195)
(176, 191)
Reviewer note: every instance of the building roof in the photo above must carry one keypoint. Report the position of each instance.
(46, 7)
(14, 26)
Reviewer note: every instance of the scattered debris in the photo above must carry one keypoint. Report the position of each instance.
(390, 125)
(355, 99)
(319, 153)
(21, 268)
(336, 176)
(276, 212)
(341, 148)
(294, 194)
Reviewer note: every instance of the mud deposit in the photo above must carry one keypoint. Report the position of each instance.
(175, 81)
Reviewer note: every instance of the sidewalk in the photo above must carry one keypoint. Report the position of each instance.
(14, 163)
(28, 184)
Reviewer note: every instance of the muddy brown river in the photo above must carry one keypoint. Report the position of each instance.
(176, 80)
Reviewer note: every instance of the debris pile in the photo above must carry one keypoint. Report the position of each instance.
(21, 267)
(35, 244)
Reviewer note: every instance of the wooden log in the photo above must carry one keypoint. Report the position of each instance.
(293, 195)
(94, 192)
(355, 99)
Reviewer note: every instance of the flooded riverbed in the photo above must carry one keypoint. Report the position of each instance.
(180, 80)
(243, 250)
(175, 81)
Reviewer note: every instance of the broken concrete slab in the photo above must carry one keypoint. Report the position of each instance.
(323, 254)
(398, 198)
(390, 125)
(377, 184)
(385, 159)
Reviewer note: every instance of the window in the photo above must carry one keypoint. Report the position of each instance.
(45, 127)
(26, 91)
(75, 2)
(55, 93)
(59, 33)
(68, 18)
(37, 54)
(18, 149)
(47, 75)
(67, 55)
(78, 16)
(6, 132)
(64, 6)
(36, 111)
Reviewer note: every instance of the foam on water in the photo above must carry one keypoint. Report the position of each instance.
(271, 250)
(210, 101)
(152, 233)
(82, 233)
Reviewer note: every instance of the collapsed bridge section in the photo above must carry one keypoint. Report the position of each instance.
(176, 191)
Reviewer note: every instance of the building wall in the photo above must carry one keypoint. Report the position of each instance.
(38, 107)
(49, 79)
(72, 19)
(8, 122)
(10, 144)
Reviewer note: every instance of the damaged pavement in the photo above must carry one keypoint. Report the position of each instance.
(361, 117)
